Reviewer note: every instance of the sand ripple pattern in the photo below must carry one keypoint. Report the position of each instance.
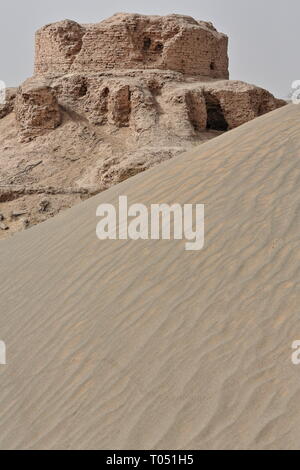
(140, 344)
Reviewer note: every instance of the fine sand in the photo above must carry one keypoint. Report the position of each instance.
(141, 344)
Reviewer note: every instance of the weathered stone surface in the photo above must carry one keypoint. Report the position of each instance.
(16, 214)
(234, 103)
(37, 110)
(57, 46)
(119, 106)
(8, 106)
(44, 205)
(146, 100)
(185, 110)
(131, 41)
(162, 77)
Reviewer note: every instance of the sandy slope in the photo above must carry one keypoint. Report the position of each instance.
(73, 162)
(129, 344)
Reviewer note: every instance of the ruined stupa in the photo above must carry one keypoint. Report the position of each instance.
(111, 99)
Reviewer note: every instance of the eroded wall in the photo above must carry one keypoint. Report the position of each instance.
(127, 41)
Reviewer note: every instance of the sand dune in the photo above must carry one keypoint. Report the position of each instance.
(141, 344)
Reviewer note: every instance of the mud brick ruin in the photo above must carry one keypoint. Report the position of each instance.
(168, 74)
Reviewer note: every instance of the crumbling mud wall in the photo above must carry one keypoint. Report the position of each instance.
(36, 108)
(111, 100)
(164, 77)
(130, 41)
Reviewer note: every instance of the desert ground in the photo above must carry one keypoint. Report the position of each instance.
(123, 344)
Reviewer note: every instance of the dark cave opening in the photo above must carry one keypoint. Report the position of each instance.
(215, 116)
(159, 47)
(147, 44)
(105, 92)
(82, 90)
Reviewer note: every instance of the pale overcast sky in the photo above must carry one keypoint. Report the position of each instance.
(264, 34)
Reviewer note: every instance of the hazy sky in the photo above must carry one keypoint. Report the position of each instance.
(264, 34)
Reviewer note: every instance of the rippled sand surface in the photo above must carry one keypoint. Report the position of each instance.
(141, 344)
